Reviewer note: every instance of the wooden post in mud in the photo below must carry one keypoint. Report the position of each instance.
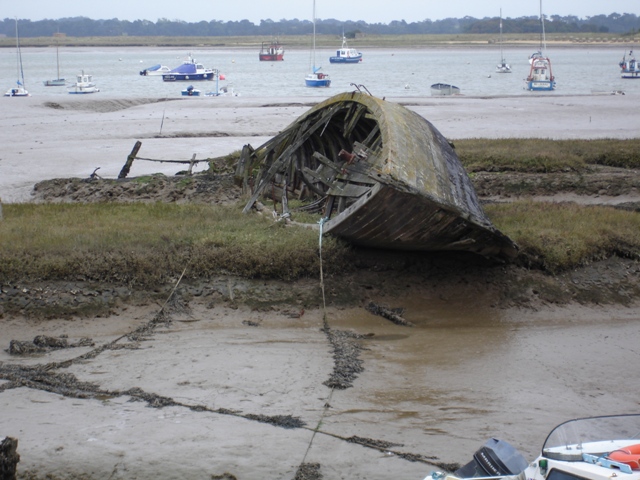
(193, 160)
(1, 217)
(127, 166)
(9, 458)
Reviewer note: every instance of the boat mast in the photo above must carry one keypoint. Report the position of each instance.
(314, 37)
(501, 54)
(19, 57)
(543, 42)
(58, 58)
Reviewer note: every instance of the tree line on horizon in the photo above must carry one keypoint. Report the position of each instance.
(86, 27)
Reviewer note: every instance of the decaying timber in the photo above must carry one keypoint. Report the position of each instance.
(381, 175)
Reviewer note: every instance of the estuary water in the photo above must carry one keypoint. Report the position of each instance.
(384, 72)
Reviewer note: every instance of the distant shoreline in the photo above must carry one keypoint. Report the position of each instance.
(324, 41)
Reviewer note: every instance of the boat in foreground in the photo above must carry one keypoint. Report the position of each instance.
(593, 448)
(19, 90)
(156, 70)
(379, 174)
(274, 52)
(84, 85)
(629, 67)
(190, 70)
(345, 54)
(444, 89)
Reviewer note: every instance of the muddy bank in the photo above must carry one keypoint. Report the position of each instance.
(237, 379)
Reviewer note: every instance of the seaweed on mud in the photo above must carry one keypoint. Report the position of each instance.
(308, 471)
(44, 343)
(284, 421)
(346, 357)
(369, 442)
(152, 399)
(392, 314)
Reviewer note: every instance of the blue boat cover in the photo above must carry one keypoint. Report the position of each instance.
(185, 68)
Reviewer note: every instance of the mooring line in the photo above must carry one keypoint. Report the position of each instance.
(325, 328)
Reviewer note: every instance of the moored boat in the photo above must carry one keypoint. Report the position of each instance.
(315, 78)
(379, 174)
(190, 70)
(503, 66)
(593, 448)
(540, 76)
(345, 54)
(84, 84)
(190, 91)
(273, 52)
(19, 90)
(155, 70)
(444, 89)
(57, 82)
(629, 67)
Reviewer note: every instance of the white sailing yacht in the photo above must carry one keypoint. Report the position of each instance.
(315, 78)
(503, 66)
(57, 82)
(19, 90)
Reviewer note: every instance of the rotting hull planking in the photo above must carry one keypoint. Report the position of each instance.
(380, 174)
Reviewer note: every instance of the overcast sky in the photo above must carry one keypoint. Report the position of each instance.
(371, 11)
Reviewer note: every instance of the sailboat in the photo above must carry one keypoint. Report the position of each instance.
(540, 74)
(503, 66)
(18, 91)
(316, 78)
(58, 82)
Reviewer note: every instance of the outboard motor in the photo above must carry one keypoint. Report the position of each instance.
(495, 458)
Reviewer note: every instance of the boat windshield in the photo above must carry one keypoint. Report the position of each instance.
(593, 435)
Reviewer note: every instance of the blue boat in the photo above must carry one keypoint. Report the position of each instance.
(629, 67)
(190, 91)
(345, 54)
(540, 77)
(189, 71)
(316, 79)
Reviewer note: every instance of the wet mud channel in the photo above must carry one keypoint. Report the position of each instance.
(201, 389)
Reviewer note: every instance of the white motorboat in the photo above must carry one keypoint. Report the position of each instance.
(345, 54)
(156, 70)
(629, 67)
(19, 90)
(594, 448)
(84, 84)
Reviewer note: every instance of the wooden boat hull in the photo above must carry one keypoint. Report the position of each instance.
(381, 175)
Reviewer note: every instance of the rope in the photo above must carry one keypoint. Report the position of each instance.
(325, 327)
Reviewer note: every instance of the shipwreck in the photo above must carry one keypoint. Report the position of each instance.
(380, 175)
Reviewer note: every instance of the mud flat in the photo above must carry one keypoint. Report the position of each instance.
(52, 138)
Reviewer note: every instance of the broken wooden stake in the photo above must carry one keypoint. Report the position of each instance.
(9, 458)
(127, 166)
(191, 163)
